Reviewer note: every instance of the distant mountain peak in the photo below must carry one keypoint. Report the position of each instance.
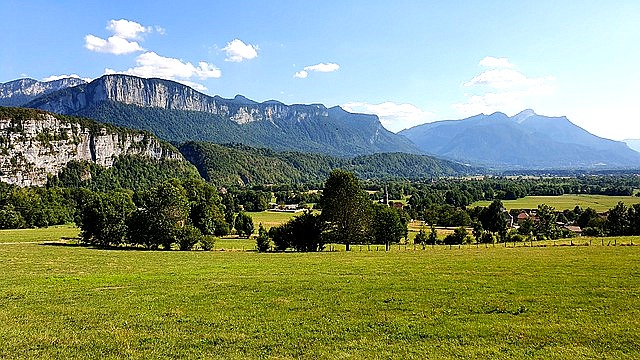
(523, 115)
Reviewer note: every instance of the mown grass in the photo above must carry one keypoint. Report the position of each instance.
(599, 203)
(525, 303)
(53, 233)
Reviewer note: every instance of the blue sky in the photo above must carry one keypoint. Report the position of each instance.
(410, 62)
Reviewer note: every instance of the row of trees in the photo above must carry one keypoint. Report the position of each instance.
(348, 216)
(172, 214)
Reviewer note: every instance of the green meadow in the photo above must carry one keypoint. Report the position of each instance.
(554, 302)
(600, 203)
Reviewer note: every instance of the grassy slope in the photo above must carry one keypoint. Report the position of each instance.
(599, 203)
(553, 302)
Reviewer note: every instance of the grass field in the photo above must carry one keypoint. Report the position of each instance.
(62, 301)
(53, 233)
(599, 203)
(270, 218)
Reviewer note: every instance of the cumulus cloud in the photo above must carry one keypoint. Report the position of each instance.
(494, 62)
(322, 67)
(59, 77)
(122, 41)
(394, 117)
(301, 74)
(238, 51)
(113, 45)
(502, 89)
(126, 29)
(151, 65)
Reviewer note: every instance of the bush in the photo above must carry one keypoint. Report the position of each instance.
(262, 241)
(207, 243)
(188, 236)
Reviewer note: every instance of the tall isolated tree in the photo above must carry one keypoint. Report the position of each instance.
(492, 217)
(546, 225)
(617, 223)
(387, 226)
(346, 208)
(103, 218)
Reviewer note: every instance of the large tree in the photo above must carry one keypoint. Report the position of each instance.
(346, 208)
(387, 226)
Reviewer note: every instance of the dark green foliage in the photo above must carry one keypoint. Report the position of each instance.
(433, 236)
(262, 241)
(346, 208)
(244, 224)
(238, 164)
(458, 237)
(10, 218)
(492, 218)
(133, 172)
(387, 225)
(421, 238)
(302, 233)
(546, 226)
(104, 216)
(527, 227)
(36, 206)
(163, 211)
(188, 236)
(617, 221)
(207, 243)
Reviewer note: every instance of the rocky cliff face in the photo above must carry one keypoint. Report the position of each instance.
(20, 92)
(35, 144)
(170, 95)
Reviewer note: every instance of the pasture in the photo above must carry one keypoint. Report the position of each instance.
(554, 302)
(600, 203)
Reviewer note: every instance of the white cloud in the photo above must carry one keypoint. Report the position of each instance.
(113, 45)
(494, 62)
(122, 41)
(322, 67)
(301, 74)
(126, 29)
(502, 89)
(394, 117)
(237, 51)
(160, 30)
(58, 77)
(151, 65)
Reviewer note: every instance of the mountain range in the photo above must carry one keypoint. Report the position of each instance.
(21, 91)
(179, 114)
(524, 141)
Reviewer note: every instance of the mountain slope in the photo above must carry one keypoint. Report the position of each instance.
(240, 164)
(21, 91)
(526, 140)
(37, 145)
(176, 112)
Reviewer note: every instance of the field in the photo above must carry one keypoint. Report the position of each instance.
(66, 301)
(599, 203)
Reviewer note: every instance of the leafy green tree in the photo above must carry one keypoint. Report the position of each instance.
(492, 217)
(262, 241)
(458, 237)
(188, 236)
(421, 238)
(387, 226)
(162, 212)
(433, 236)
(586, 216)
(302, 233)
(477, 231)
(546, 226)
(10, 218)
(617, 222)
(244, 224)
(633, 217)
(103, 218)
(346, 208)
(526, 227)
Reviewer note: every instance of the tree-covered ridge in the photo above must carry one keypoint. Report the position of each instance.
(131, 172)
(239, 164)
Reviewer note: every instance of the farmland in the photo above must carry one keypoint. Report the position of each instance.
(600, 203)
(66, 301)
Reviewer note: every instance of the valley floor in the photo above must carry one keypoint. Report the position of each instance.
(67, 301)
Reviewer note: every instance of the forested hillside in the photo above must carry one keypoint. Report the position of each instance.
(240, 164)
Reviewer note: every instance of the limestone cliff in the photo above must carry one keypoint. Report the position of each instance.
(165, 94)
(34, 144)
(21, 91)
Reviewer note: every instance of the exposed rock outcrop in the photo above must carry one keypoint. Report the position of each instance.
(35, 144)
(21, 91)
